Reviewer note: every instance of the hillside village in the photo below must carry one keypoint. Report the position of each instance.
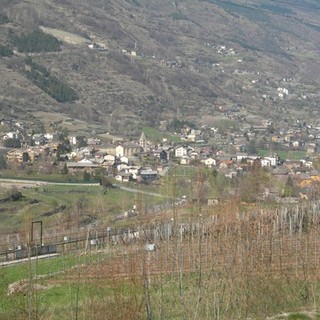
(159, 159)
(230, 152)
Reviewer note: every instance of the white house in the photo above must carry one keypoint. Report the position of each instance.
(50, 136)
(119, 151)
(11, 135)
(194, 155)
(128, 150)
(265, 163)
(180, 152)
(123, 167)
(296, 144)
(273, 159)
(124, 159)
(72, 140)
(191, 137)
(284, 91)
(210, 162)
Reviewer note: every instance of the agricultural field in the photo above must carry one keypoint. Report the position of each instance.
(227, 268)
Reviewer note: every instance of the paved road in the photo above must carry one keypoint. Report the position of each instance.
(45, 256)
(43, 183)
(140, 191)
(33, 183)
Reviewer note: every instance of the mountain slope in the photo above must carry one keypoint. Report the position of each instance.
(192, 57)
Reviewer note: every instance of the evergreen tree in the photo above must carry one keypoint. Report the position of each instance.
(3, 19)
(37, 41)
(288, 190)
(81, 141)
(64, 170)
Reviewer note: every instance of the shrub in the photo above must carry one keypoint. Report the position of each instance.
(14, 194)
(105, 182)
(3, 19)
(12, 143)
(5, 51)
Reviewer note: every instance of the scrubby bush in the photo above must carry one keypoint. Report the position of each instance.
(5, 51)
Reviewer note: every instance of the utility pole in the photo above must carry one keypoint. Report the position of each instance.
(32, 295)
(32, 232)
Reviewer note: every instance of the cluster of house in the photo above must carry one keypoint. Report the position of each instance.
(221, 49)
(129, 52)
(142, 161)
(98, 46)
(172, 63)
(282, 92)
(124, 159)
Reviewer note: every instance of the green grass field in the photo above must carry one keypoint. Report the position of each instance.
(284, 154)
(155, 135)
(40, 203)
(43, 273)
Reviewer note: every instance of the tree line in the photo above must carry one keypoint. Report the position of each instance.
(55, 88)
(36, 41)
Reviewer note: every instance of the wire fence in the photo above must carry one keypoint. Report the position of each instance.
(283, 237)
